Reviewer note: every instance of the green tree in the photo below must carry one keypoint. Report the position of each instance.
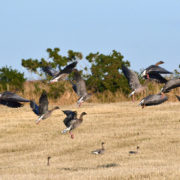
(105, 72)
(54, 59)
(11, 79)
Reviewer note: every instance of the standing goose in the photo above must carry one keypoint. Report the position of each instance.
(80, 88)
(99, 151)
(71, 121)
(42, 109)
(153, 100)
(61, 75)
(171, 84)
(11, 99)
(154, 72)
(178, 97)
(133, 81)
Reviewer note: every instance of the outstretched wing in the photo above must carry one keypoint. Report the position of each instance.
(156, 77)
(9, 96)
(64, 73)
(70, 116)
(43, 103)
(131, 77)
(157, 69)
(50, 71)
(34, 107)
(11, 104)
(80, 86)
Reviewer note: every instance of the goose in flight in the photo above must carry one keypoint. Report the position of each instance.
(154, 72)
(153, 100)
(42, 110)
(11, 99)
(99, 151)
(171, 84)
(71, 121)
(133, 81)
(61, 75)
(80, 88)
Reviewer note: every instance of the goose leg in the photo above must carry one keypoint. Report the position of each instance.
(39, 119)
(72, 135)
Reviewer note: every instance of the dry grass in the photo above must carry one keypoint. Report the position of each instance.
(25, 146)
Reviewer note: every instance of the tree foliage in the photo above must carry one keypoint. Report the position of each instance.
(54, 59)
(11, 79)
(105, 72)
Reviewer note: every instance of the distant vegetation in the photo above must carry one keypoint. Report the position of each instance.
(103, 76)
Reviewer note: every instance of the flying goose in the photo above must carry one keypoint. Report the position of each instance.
(11, 99)
(42, 109)
(133, 81)
(61, 75)
(80, 88)
(171, 84)
(71, 121)
(154, 72)
(134, 152)
(178, 97)
(153, 100)
(99, 151)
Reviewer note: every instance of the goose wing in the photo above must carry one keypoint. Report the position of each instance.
(156, 77)
(71, 115)
(132, 78)
(50, 71)
(12, 97)
(34, 107)
(43, 103)
(157, 69)
(80, 85)
(65, 72)
(11, 104)
(153, 100)
(171, 84)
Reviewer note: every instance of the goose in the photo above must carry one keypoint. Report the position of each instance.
(153, 100)
(71, 121)
(134, 152)
(80, 88)
(154, 72)
(133, 81)
(171, 84)
(12, 100)
(99, 151)
(42, 109)
(178, 97)
(61, 75)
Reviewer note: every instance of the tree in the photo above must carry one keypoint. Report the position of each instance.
(11, 79)
(54, 60)
(105, 72)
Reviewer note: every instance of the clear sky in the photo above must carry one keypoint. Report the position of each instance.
(144, 31)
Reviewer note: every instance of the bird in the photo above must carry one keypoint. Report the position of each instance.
(154, 72)
(12, 100)
(133, 81)
(71, 121)
(48, 159)
(99, 151)
(178, 97)
(61, 75)
(42, 110)
(79, 88)
(153, 100)
(171, 84)
(134, 152)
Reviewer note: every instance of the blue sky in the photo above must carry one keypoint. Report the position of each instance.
(144, 31)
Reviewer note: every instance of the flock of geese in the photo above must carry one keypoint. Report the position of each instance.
(72, 121)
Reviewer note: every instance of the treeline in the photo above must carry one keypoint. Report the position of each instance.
(102, 74)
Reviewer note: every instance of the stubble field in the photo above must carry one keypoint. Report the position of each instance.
(25, 146)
